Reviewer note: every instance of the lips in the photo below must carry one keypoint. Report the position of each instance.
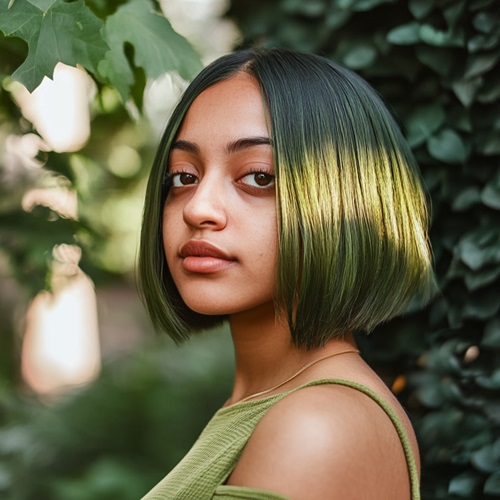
(203, 257)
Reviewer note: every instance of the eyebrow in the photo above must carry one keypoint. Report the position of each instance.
(247, 142)
(232, 147)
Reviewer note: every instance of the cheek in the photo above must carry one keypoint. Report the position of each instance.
(169, 232)
(266, 244)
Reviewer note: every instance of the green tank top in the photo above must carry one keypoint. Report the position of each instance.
(202, 472)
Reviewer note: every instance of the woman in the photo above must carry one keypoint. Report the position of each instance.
(284, 199)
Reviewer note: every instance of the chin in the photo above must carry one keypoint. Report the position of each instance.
(208, 308)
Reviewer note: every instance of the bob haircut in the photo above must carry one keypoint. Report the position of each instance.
(353, 249)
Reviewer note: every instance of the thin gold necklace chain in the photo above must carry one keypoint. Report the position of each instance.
(354, 351)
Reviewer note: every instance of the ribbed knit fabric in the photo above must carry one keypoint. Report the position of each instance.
(203, 471)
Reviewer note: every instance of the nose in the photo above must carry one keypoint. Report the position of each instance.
(206, 207)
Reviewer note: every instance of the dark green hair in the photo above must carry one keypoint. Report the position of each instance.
(352, 214)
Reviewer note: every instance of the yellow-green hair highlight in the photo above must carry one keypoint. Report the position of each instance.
(352, 213)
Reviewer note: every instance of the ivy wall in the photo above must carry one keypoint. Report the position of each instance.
(437, 63)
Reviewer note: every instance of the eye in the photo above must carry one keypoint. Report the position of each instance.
(258, 179)
(180, 179)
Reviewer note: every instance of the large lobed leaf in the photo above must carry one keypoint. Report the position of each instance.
(68, 32)
(158, 49)
(55, 31)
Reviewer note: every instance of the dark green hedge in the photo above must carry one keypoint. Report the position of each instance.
(116, 438)
(437, 63)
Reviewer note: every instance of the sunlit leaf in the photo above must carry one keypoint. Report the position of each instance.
(158, 49)
(55, 31)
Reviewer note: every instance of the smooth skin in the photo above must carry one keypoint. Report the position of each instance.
(323, 442)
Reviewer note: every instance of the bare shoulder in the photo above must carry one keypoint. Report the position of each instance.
(325, 441)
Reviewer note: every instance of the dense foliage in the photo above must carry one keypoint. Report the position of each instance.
(437, 63)
(117, 438)
(122, 44)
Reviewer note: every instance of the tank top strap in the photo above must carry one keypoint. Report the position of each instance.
(391, 413)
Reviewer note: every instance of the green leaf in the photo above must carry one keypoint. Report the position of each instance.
(480, 64)
(453, 14)
(438, 393)
(485, 22)
(439, 61)
(364, 5)
(158, 49)
(489, 143)
(55, 31)
(467, 198)
(478, 279)
(490, 91)
(447, 146)
(492, 484)
(482, 42)
(491, 382)
(464, 484)
(491, 336)
(42, 4)
(486, 459)
(423, 122)
(312, 8)
(337, 18)
(420, 8)
(490, 195)
(466, 90)
(482, 305)
(359, 55)
(480, 248)
(406, 34)
(438, 38)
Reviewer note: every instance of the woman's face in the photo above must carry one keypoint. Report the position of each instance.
(219, 220)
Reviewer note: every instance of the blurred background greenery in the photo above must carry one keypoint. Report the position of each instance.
(65, 211)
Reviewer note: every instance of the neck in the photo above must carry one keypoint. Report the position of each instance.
(265, 355)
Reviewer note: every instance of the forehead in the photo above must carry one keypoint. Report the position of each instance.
(228, 110)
